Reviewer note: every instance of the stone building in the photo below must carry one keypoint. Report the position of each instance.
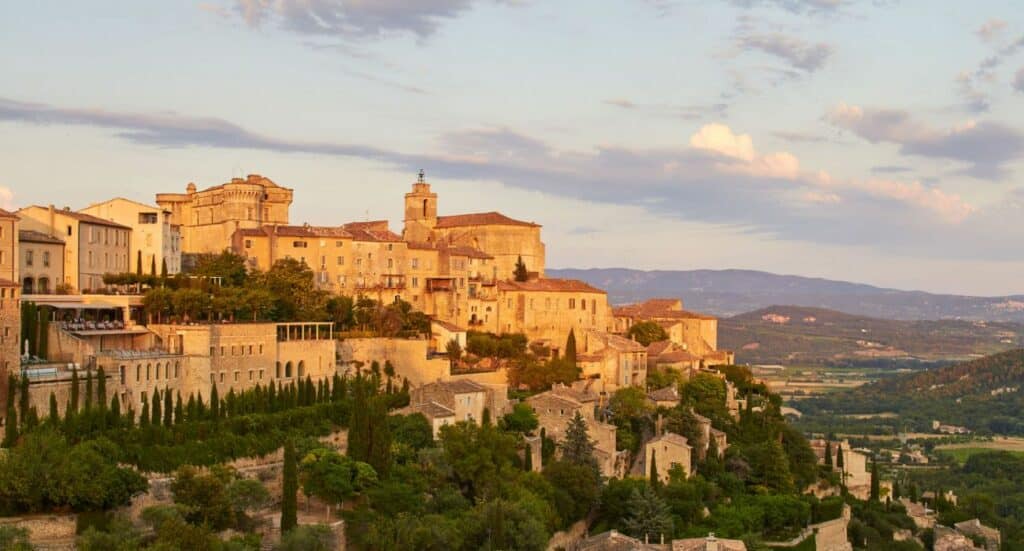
(616, 362)
(209, 218)
(10, 303)
(710, 543)
(992, 537)
(855, 465)
(556, 407)
(693, 332)
(41, 262)
(155, 240)
(547, 309)
(667, 451)
(444, 402)
(93, 246)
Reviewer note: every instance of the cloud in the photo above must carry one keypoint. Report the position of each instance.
(805, 56)
(890, 169)
(621, 102)
(800, 137)
(986, 146)
(661, 110)
(352, 18)
(798, 6)
(991, 29)
(1018, 80)
(714, 176)
(6, 198)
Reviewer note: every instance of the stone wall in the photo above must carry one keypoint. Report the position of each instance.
(408, 356)
(46, 532)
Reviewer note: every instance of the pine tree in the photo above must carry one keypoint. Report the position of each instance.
(649, 516)
(214, 403)
(521, 273)
(570, 348)
(577, 447)
(528, 459)
(828, 454)
(54, 413)
(655, 481)
(73, 406)
(875, 483)
(155, 420)
(168, 408)
(289, 489)
(10, 427)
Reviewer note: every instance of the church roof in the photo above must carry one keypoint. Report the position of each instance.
(480, 219)
(659, 347)
(549, 285)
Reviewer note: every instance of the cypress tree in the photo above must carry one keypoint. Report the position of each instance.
(152, 266)
(88, 390)
(144, 416)
(32, 418)
(200, 407)
(521, 273)
(380, 436)
(654, 470)
(115, 410)
(896, 495)
(570, 348)
(486, 420)
(190, 410)
(54, 413)
(73, 406)
(23, 399)
(828, 454)
(214, 403)
(179, 411)
(155, 421)
(138, 263)
(10, 427)
(358, 434)
(163, 268)
(289, 489)
(875, 483)
(12, 389)
(840, 461)
(168, 408)
(271, 398)
(528, 459)
(101, 389)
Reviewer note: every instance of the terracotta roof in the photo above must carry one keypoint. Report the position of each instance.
(676, 356)
(658, 309)
(710, 542)
(431, 410)
(7, 214)
(480, 219)
(582, 394)
(552, 399)
(460, 386)
(421, 245)
(669, 438)
(448, 325)
(468, 252)
(617, 342)
(82, 217)
(612, 541)
(32, 236)
(659, 347)
(549, 285)
(251, 232)
(7, 283)
(311, 231)
(362, 231)
(666, 394)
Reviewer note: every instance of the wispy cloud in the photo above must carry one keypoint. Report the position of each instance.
(985, 146)
(798, 6)
(1018, 80)
(991, 29)
(682, 112)
(716, 176)
(805, 56)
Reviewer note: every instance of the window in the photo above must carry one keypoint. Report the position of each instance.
(415, 282)
(69, 230)
(299, 244)
(149, 368)
(213, 351)
(261, 350)
(236, 376)
(222, 376)
(147, 218)
(248, 243)
(250, 350)
(138, 372)
(28, 257)
(250, 375)
(176, 365)
(277, 370)
(341, 261)
(572, 304)
(123, 373)
(46, 259)
(157, 374)
(261, 374)
(391, 246)
(339, 244)
(415, 263)
(323, 262)
(222, 351)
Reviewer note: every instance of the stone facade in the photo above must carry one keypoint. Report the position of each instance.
(692, 332)
(93, 246)
(615, 362)
(855, 466)
(667, 451)
(209, 218)
(155, 240)
(10, 303)
(41, 262)
(556, 407)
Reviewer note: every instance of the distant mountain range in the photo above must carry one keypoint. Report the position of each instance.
(727, 293)
(798, 335)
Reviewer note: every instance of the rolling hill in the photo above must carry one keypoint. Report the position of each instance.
(730, 292)
(982, 395)
(814, 336)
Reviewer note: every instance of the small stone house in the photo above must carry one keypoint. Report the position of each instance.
(666, 451)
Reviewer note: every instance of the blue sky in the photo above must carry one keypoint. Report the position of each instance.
(878, 141)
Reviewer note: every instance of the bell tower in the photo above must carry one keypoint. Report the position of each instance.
(420, 211)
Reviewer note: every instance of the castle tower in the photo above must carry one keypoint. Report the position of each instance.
(420, 212)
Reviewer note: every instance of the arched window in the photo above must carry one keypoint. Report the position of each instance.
(43, 285)
(29, 286)
(288, 370)
(176, 365)
(149, 367)
(277, 371)
(157, 377)
(302, 368)
(138, 372)
(424, 208)
(124, 374)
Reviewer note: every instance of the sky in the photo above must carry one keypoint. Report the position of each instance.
(876, 141)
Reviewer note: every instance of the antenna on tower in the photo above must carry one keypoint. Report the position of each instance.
(421, 176)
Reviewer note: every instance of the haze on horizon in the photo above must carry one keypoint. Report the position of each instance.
(874, 141)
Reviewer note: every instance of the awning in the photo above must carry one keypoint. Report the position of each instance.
(80, 305)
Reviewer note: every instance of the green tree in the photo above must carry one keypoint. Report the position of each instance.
(520, 273)
(577, 447)
(646, 332)
(316, 537)
(74, 393)
(570, 348)
(828, 454)
(205, 495)
(227, 266)
(13, 538)
(528, 458)
(155, 410)
(289, 489)
(655, 481)
(650, 517)
(875, 483)
(169, 408)
(54, 412)
(152, 266)
(333, 477)
(520, 419)
(163, 268)
(10, 426)
(454, 351)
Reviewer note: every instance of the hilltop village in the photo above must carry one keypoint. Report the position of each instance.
(428, 388)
